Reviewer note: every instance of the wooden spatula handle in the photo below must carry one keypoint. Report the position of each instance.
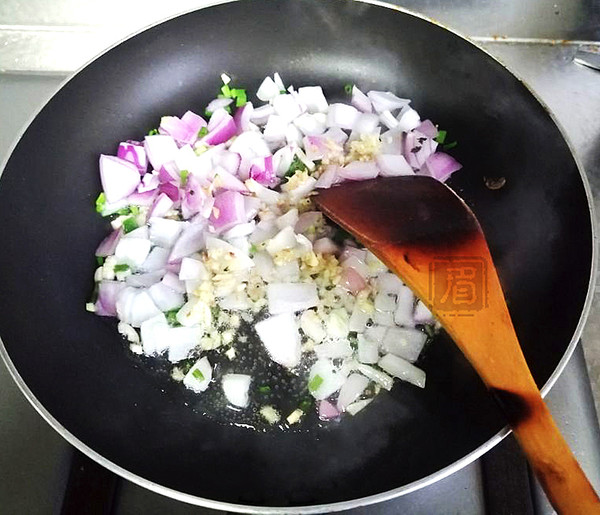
(552, 461)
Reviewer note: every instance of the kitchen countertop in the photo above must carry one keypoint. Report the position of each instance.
(42, 43)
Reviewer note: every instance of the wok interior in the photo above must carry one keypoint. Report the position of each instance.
(538, 227)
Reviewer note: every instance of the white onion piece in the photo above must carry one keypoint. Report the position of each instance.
(262, 234)
(165, 298)
(359, 170)
(279, 82)
(404, 307)
(357, 406)
(185, 158)
(352, 281)
(361, 101)
(351, 390)
(288, 272)
(132, 251)
(144, 280)
(422, 314)
(333, 349)
(192, 269)
(160, 149)
(140, 232)
(275, 129)
(279, 334)
(225, 180)
(199, 384)
(135, 306)
(303, 189)
(366, 123)
(313, 98)
(408, 120)
(268, 90)
(388, 282)
(261, 114)
(341, 115)
(291, 297)
(164, 232)
(392, 165)
(293, 135)
(388, 120)
(368, 351)
(240, 230)
(268, 196)
(286, 107)
(311, 124)
(331, 379)
(375, 333)
(153, 332)
(325, 246)
(392, 142)
(108, 292)
(191, 240)
(235, 388)
(385, 318)
(172, 281)
(404, 342)
(329, 177)
(264, 265)
(386, 101)
(284, 239)
(358, 320)
(336, 134)
(134, 152)
(312, 326)
(288, 219)
(440, 166)
(381, 378)
(337, 323)
(282, 159)
(119, 178)
(109, 244)
(385, 302)
(181, 341)
(356, 262)
(157, 260)
(218, 103)
(402, 369)
(161, 206)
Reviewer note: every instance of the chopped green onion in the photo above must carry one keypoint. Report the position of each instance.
(296, 165)
(198, 375)
(203, 132)
(207, 113)
(348, 88)
(265, 388)
(226, 91)
(130, 224)
(228, 109)
(306, 404)
(100, 260)
(121, 268)
(171, 317)
(183, 174)
(100, 202)
(240, 97)
(450, 145)
(153, 132)
(253, 249)
(314, 383)
(441, 136)
(135, 210)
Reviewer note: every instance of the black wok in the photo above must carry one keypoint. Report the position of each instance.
(76, 370)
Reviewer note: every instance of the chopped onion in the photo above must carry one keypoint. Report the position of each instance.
(351, 390)
(199, 376)
(357, 406)
(325, 246)
(192, 269)
(368, 351)
(156, 261)
(153, 332)
(440, 166)
(392, 165)
(422, 314)
(408, 120)
(291, 297)
(342, 115)
(191, 240)
(108, 292)
(228, 211)
(381, 378)
(181, 341)
(352, 281)
(160, 149)
(361, 101)
(333, 349)
(268, 90)
(312, 326)
(404, 342)
(279, 334)
(133, 151)
(132, 251)
(313, 98)
(109, 244)
(164, 232)
(327, 411)
(402, 369)
(324, 379)
(165, 298)
(386, 101)
(359, 170)
(119, 178)
(404, 307)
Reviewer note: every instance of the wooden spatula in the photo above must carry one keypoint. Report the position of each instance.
(429, 237)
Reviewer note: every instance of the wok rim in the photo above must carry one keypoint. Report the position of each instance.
(362, 501)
